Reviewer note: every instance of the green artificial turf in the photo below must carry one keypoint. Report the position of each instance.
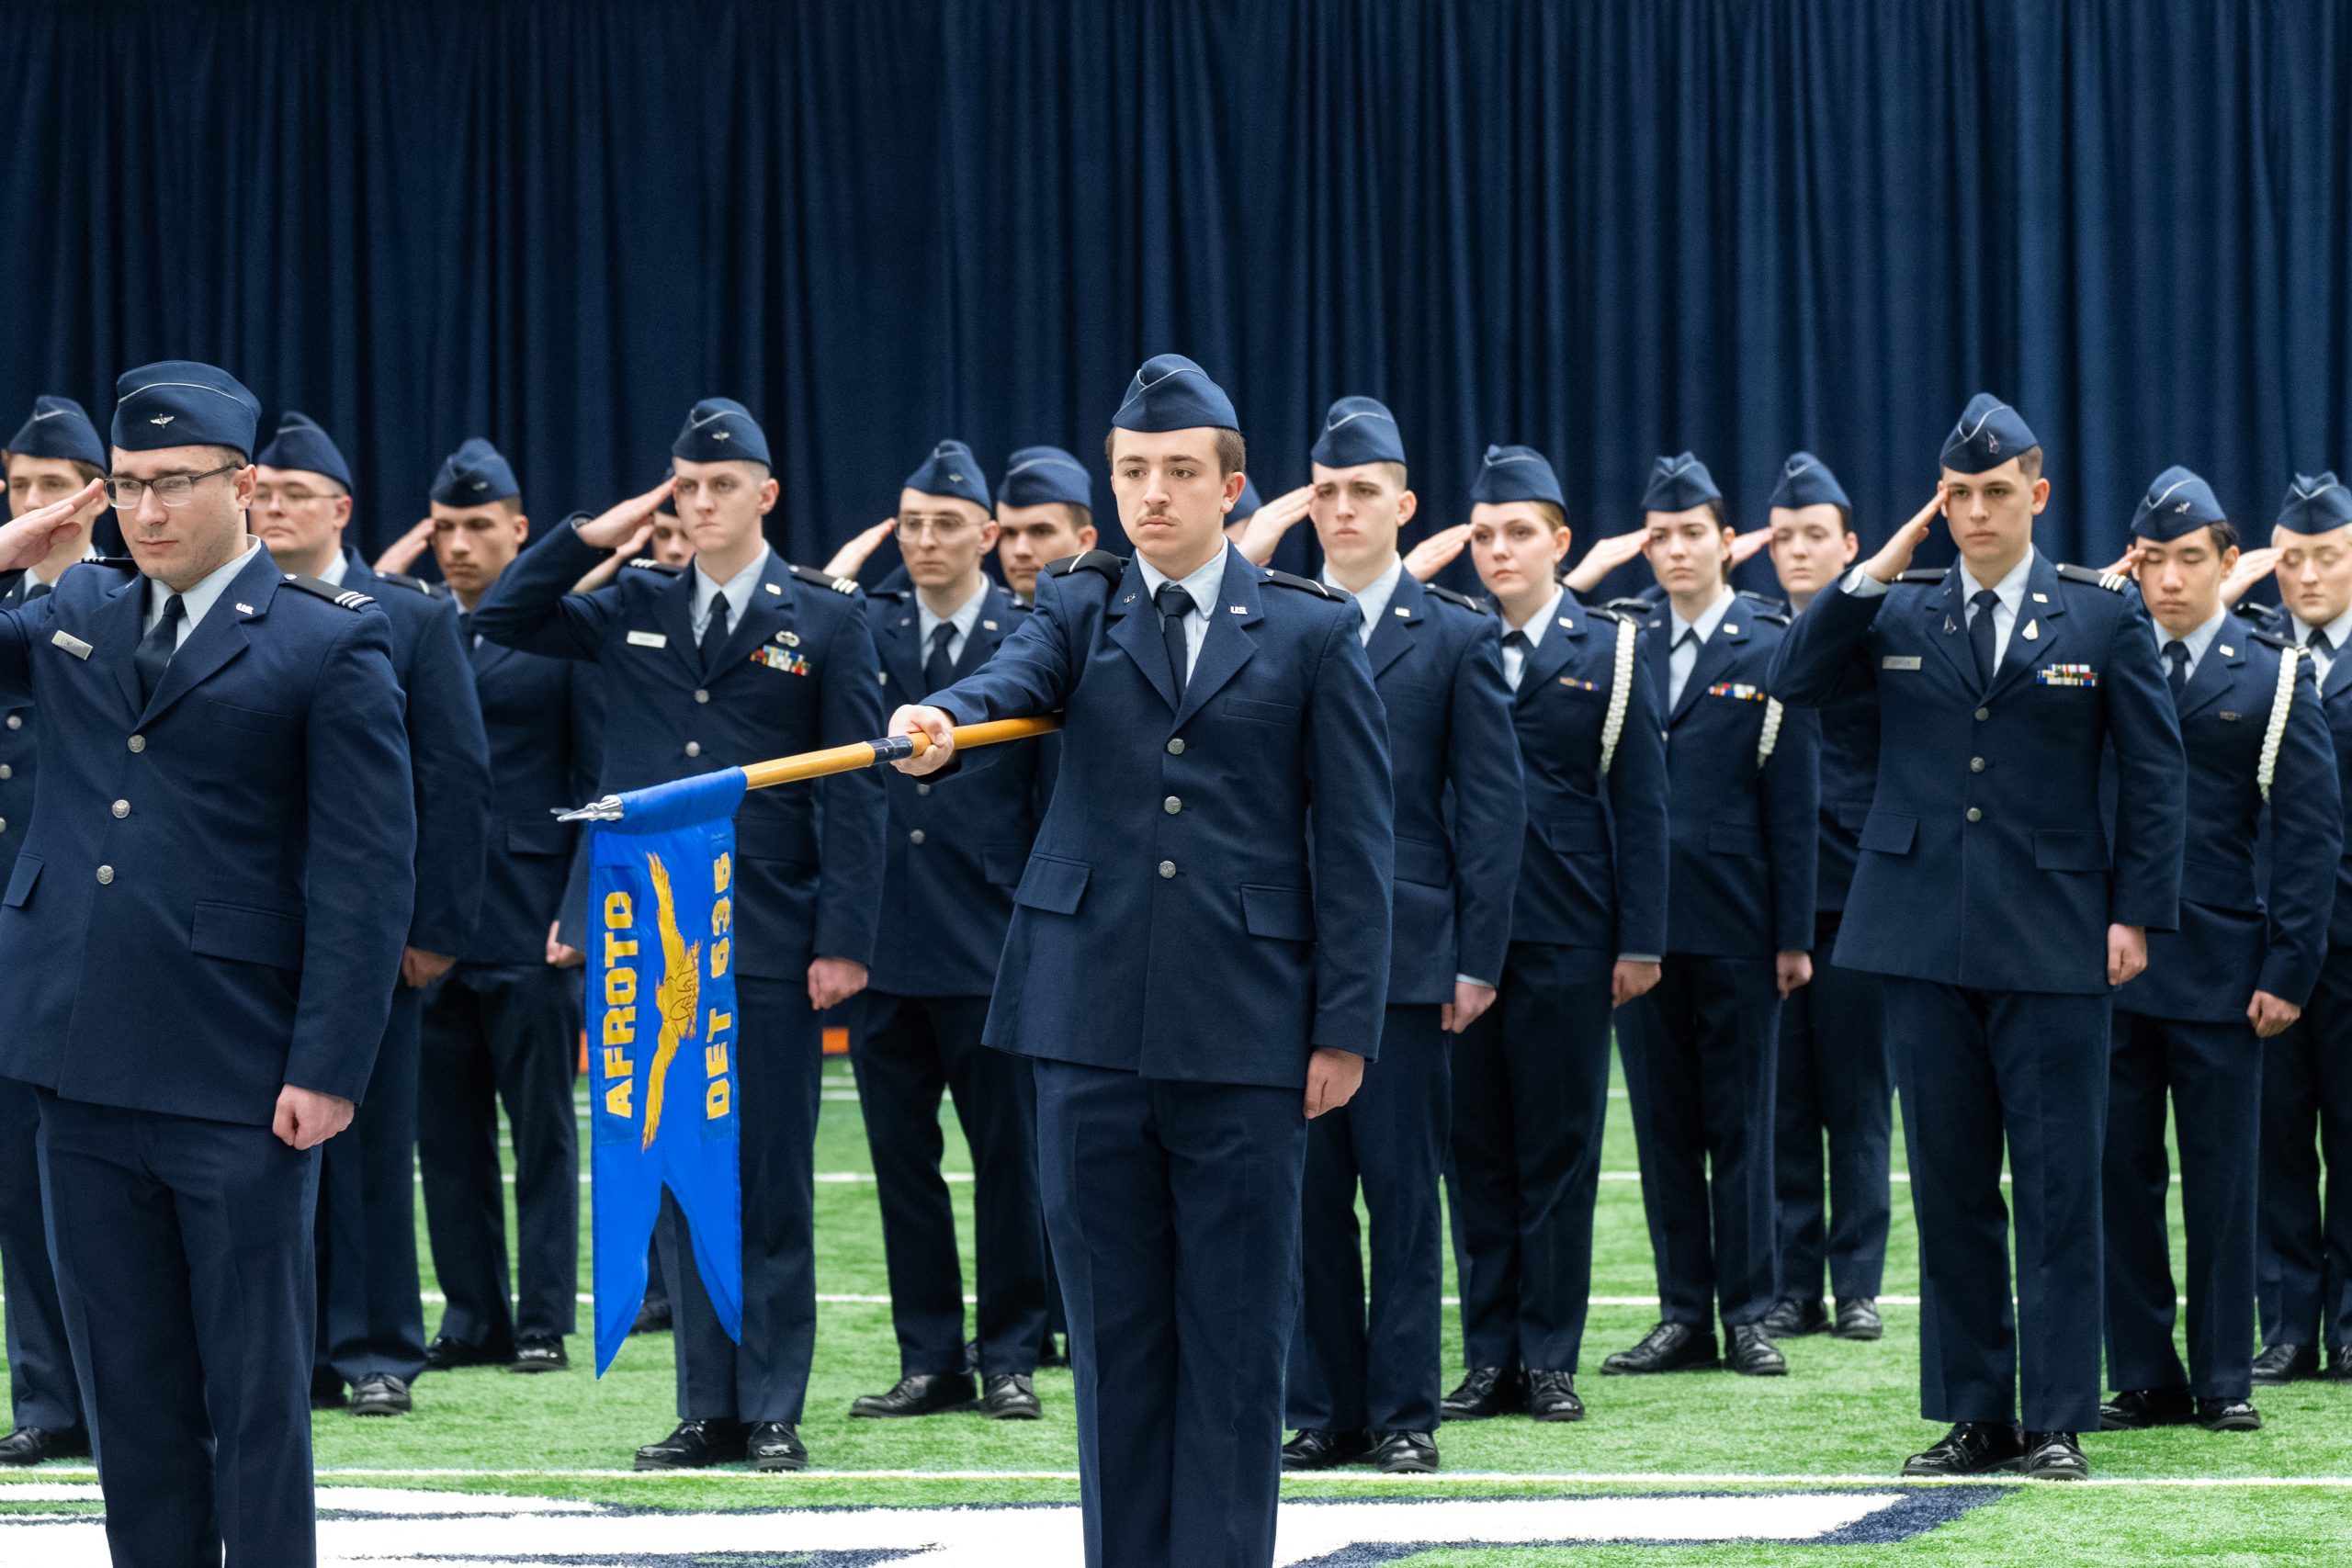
(1847, 1414)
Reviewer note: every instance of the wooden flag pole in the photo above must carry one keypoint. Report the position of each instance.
(866, 753)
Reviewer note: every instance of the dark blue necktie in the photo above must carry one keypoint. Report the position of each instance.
(2177, 655)
(1979, 634)
(1174, 605)
(938, 670)
(1519, 640)
(156, 650)
(714, 634)
(35, 590)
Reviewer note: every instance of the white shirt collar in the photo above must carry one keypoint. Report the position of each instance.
(2196, 641)
(2010, 590)
(336, 568)
(965, 616)
(202, 596)
(1202, 583)
(1374, 599)
(1540, 622)
(1709, 618)
(2336, 630)
(737, 588)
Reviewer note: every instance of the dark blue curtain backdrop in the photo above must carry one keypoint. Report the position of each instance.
(1610, 228)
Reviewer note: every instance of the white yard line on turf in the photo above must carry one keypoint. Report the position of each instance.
(1364, 1478)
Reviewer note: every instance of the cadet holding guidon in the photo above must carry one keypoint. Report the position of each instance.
(2305, 1263)
(1531, 1076)
(1196, 976)
(739, 659)
(1833, 1072)
(2236, 973)
(371, 1311)
(957, 850)
(1743, 795)
(2001, 682)
(1368, 1385)
(504, 1025)
(55, 454)
(223, 854)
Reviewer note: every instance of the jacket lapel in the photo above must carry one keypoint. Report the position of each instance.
(2039, 630)
(221, 635)
(1567, 630)
(769, 609)
(2218, 671)
(1398, 631)
(674, 613)
(1135, 626)
(1229, 644)
(1947, 614)
(899, 641)
(996, 623)
(1715, 656)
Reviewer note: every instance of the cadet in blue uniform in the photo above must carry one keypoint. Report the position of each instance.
(222, 854)
(54, 454)
(2305, 1267)
(2236, 973)
(1834, 1075)
(2001, 682)
(371, 1324)
(1164, 969)
(956, 849)
(1531, 1077)
(1366, 1383)
(741, 658)
(1045, 510)
(502, 1025)
(1743, 795)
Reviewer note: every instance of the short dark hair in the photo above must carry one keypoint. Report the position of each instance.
(2226, 536)
(2030, 463)
(1232, 454)
(1845, 519)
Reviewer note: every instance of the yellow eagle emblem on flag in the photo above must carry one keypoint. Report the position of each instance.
(675, 999)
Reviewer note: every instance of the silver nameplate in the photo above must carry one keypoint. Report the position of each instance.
(1900, 661)
(70, 644)
(648, 639)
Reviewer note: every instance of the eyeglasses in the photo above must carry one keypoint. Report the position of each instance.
(172, 490)
(946, 530)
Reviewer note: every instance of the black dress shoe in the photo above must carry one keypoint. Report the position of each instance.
(2227, 1416)
(1668, 1348)
(1793, 1319)
(2137, 1409)
(447, 1354)
(1552, 1397)
(1972, 1448)
(925, 1393)
(1314, 1448)
(695, 1445)
(652, 1317)
(1858, 1319)
(2285, 1364)
(1012, 1396)
(33, 1445)
(2339, 1362)
(775, 1446)
(1485, 1392)
(1752, 1354)
(327, 1394)
(2055, 1456)
(380, 1394)
(1404, 1453)
(539, 1356)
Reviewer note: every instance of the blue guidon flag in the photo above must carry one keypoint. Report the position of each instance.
(662, 1030)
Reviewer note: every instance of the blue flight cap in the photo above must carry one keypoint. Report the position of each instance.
(1516, 473)
(718, 430)
(1805, 481)
(1246, 507)
(59, 428)
(950, 469)
(2315, 504)
(300, 443)
(1358, 430)
(1989, 434)
(179, 402)
(1037, 475)
(2177, 503)
(1678, 483)
(1171, 393)
(475, 475)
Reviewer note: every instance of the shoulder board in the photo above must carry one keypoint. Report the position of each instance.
(1766, 602)
(646, 563)
(1769, 615)
(1477, 606)
(891, 595)
(1927, 574)
(1603, 613)
(1634, 608)
(2265, 634)
(120, 563)
(1102, 561)
(1022, 605)
(349, 598)
(1303, 584)
(838, 584)
(430, 590)
(2113, 582)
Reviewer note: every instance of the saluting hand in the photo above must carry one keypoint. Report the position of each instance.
(626, 526)
(402, 552)
(851, 558)
(1894, 557)
(2251, 568)
(1332, 1078)
(1744, 546)
(28, 540)
(305, 1118)
(1437, 552)
(1605, 556)
(2127, 952)
(1265, 528)
(2128, 563)
(2270, 1015)
(933, 725)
